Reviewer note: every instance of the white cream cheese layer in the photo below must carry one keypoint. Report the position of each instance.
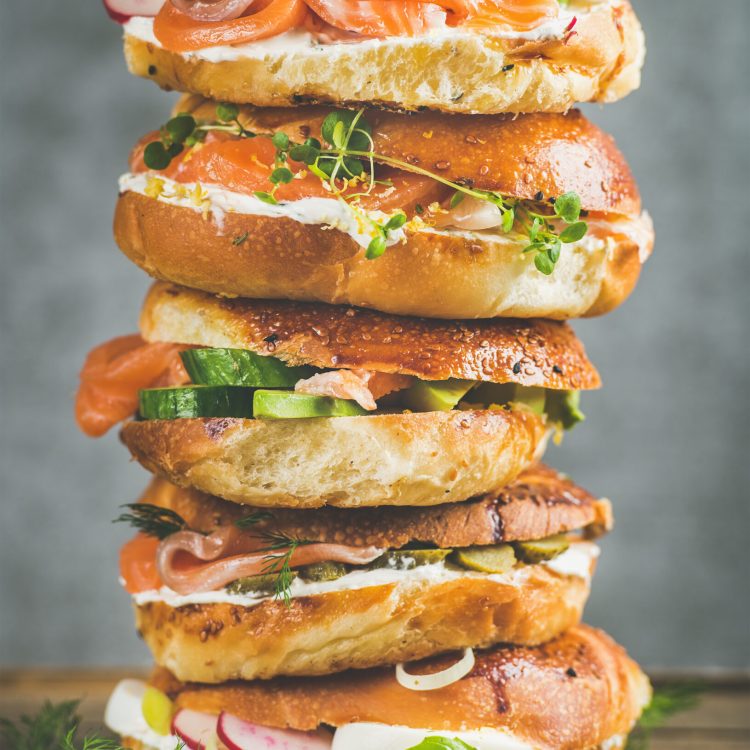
(328, 212)
(575, 561)
(337, 214)
(301, 43)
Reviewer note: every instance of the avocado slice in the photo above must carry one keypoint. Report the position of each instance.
(541, 549)
(498, 558)
(505, 393)
(323, 571)
(241, 367)
(407, 559)
(563, 408)
(436, 395)
(291, 405)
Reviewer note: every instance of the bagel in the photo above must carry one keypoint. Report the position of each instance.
(378, 617)
(579, 692)
(599, 59)
(234, 244)
(381, 459)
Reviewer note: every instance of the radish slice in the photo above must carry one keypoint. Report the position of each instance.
(237, 734)
(195, 728)
(123, 10)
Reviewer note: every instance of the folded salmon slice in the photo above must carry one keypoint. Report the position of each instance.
(115, 371)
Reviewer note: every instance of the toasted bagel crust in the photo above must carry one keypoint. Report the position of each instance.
(570, 694)
(519, 157)
(535, 352)
(359, 628)
(440, 275)
(386, 459)
(540, 503)
(601, 61)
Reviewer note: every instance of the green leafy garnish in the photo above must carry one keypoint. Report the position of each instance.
(47, 730)
(280, 548)
(667, 701)
(346, 158)
(442, 743)
(152, 520)
(251, 520)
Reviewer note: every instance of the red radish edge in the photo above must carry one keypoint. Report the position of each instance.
(237, 734)
(192, 727)
(123, 10)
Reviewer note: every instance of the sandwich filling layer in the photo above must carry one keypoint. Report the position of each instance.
(324, 25)
(473, 220)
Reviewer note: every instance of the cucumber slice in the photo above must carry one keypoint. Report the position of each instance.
(291, 405)
(195, 401)
(323, 571)
(499, 558)
(406, 559)
(241, 367)
(541, 549)
(436, 395)
(261, 584)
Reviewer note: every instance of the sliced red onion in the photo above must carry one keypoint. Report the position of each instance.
(123, 10)
(212, 10)
(237, 734)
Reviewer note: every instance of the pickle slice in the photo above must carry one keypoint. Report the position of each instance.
(499, 558)
(541, 549)
(261, 584)
(406, 559)
(323, 571)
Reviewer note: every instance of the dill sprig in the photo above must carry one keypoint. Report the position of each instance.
(348, 159)
(55, 726)
(280, 548)
(247, 522)
(667, 701)
(152, 520)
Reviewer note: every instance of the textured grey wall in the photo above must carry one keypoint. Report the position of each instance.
(667, 438)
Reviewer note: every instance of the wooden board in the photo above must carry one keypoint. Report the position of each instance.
(720, 722)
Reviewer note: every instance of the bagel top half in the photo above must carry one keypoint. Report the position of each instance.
(590, 50)
(394, 445)
(578, 692)
(366, 587)
(200, 221)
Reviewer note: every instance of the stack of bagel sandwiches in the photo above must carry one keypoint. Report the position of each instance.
(368, 223)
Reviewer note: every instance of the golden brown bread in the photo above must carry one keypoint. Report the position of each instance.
(519, 157)
(541, 502)
(470, 73)
(384, 459)
(435, 274)
(575, 692)
(534, 352)
(379, 624)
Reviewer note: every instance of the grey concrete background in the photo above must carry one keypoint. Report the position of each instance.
(667, 438)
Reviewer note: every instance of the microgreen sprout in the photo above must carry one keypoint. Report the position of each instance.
(346, 158)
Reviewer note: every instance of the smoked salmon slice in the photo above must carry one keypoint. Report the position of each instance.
(244, 165)
(178, 32)
(115, 371)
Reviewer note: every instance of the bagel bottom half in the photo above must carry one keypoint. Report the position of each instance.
(436, 274)
(416, 617)
(424, 458)
(578, 692)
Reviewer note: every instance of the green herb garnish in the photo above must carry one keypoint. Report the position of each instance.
(667, 701)
(280, 549)
(152, 520)
(347, 158)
